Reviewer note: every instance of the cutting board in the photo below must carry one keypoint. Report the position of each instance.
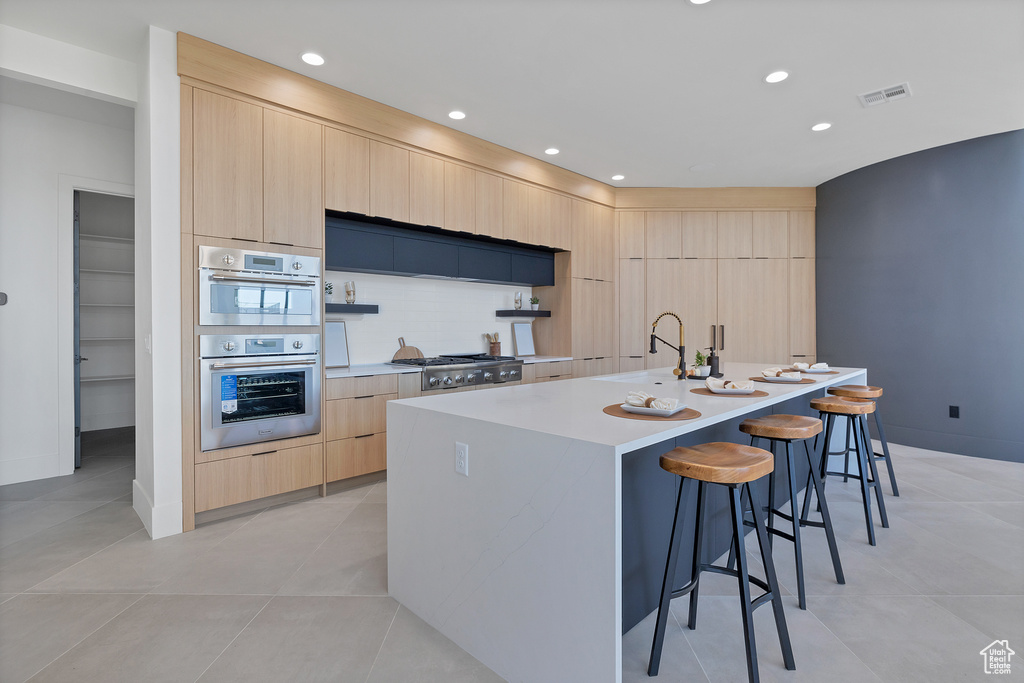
(406, 351)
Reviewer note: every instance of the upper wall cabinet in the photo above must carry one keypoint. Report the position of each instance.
(472, 201)
(292, 166)
(489, 205)
(550, 219)
(593, 240)
(664, 234)
(228, 167)
(346, 171)
(735, 234)
(631, 233)
(801, 234)
(256, 173)
(771, 234)
(515, 210)
(699, 234)
(427, 176)
(389, 181)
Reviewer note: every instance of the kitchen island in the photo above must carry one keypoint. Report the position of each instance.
(553, 545)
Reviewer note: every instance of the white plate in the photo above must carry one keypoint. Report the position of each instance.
(784, 380)
(730, 391)
(813, 371)
(651, 411)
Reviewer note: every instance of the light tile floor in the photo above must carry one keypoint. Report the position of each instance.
(298, 592)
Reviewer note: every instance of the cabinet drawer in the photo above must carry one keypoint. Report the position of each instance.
(349, 417)
(561, 367)
(236, 480)
(359, 455)
(370, 385)
(553, 378)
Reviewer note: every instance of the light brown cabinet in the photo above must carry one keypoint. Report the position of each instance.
(550, 219)
(735, 234)
(426, 190)
(664, 235)
(347, 458)
(389, 181)
(801, 234)
(699, 234)
(688, 288)
(488, 205)
(633, 325)
(631, 228)
(547, 372)
(753, 306)
(459, 198)
(235, 480)
(346, 171)
(355, 420)
(593, 321)
(771, 234)
(593, 240)
(802, 323)
(293, 207)
(227, 167)
(515, 209)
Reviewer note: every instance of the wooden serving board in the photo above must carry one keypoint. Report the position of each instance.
(805, 380)
(405, 352)
(615, 410)
(704, 391)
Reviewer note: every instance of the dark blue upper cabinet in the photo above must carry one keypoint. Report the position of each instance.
(370, 247)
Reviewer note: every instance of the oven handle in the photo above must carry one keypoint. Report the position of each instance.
(263, 281)
(262, 364)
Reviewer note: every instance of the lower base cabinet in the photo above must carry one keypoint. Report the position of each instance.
(348, 458)
(237, 480)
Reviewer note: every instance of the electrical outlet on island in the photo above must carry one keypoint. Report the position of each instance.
(461, 459)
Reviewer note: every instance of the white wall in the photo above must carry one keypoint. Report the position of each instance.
(157, 487)
(436, 316)
(39, 152)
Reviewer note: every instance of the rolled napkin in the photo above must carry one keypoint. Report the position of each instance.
(664, 404)
(819, 366)
(801, 366)
(720, 384)
(638, 399)
(779, 372)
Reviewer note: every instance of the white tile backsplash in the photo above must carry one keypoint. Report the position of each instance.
(437, 316)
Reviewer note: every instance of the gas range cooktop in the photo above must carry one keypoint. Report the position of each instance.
(460, 370)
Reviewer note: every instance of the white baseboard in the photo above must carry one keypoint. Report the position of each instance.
(29, 469)
(161, 521)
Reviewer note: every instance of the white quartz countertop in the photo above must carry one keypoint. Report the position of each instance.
(389, 369)
(573, 408)
(531, 360)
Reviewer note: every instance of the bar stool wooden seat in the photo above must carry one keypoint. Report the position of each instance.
(855, 410)
(872, 393)
(733, 466)
(786, 429)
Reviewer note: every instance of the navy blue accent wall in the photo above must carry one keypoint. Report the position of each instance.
(920, 279)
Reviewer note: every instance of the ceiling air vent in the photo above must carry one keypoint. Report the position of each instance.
(893, 92)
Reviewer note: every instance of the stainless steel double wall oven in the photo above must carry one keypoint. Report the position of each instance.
(258, 384)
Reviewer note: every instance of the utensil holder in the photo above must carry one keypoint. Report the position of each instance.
(495, 349)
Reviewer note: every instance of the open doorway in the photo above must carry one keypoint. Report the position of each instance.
(104, 328)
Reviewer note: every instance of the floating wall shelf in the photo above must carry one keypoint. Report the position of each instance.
(372, 309)
(512, 313)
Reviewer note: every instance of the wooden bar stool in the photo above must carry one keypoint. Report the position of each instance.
(872, 393)
(733, 466)
(786, 429)
(855, 410)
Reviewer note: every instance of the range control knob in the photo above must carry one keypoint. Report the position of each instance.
(513, 373)
(297, 344)
(228, 259)
(488, 376)
(229, 346)
(458, 379)
(434, 381)
(502, 374)
(472, 377)
(447, 381)
(297, 266)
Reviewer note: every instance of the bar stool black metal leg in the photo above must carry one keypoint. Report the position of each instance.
(846, 452)
(698, 544)
(865, 494)
(798, 552)
(666, 585)
(822, 464)
(773, 584)
(877, 484)
(771, 497)
(826, 518)
(744, 580)
(885, 451)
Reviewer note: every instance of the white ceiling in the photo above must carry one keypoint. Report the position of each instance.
(645, 88)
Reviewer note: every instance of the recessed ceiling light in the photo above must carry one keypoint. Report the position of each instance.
(312, 58)
(618, 177)
(699, 2)
(818, 127)
(457, 115)
(776, 76)
(551, 150)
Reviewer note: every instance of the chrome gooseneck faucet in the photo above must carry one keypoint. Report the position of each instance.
(679, 372)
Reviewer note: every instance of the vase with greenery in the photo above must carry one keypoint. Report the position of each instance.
(328, 291)
(534, 303)
(700, 362)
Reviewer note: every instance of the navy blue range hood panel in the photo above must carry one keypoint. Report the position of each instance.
(389, 248)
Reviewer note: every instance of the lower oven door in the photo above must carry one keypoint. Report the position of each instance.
(249, 401)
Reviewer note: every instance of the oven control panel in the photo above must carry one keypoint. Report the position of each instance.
(248, 345)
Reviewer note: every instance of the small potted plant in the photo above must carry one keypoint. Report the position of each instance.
(534, 303)
(328, 291)
(700, 362)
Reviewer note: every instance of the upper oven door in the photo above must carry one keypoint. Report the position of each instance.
(237, 298)
(249, 400)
